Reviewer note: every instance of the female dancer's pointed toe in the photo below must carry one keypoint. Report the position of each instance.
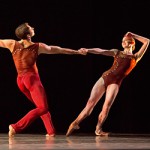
(72, 127)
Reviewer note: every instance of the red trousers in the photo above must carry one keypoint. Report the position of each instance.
(30, 84)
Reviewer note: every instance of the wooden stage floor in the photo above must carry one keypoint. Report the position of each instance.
(75, 142)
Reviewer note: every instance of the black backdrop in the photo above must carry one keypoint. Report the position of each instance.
(68, 79)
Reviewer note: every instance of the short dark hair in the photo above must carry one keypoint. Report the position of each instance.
(22, 31)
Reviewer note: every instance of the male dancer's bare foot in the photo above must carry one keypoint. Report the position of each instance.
(11, 132)
(50, 135)
(73, 126)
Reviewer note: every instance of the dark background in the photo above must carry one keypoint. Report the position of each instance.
(68, 79)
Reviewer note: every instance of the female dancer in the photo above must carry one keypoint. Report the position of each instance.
(110, 81)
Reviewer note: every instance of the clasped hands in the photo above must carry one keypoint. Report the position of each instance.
(83, 51)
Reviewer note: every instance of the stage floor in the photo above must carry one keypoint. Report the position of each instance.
(76, 142)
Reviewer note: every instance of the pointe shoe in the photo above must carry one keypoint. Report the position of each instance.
(11, 132)
(101, 133)
(50, 135)
(72, 127)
